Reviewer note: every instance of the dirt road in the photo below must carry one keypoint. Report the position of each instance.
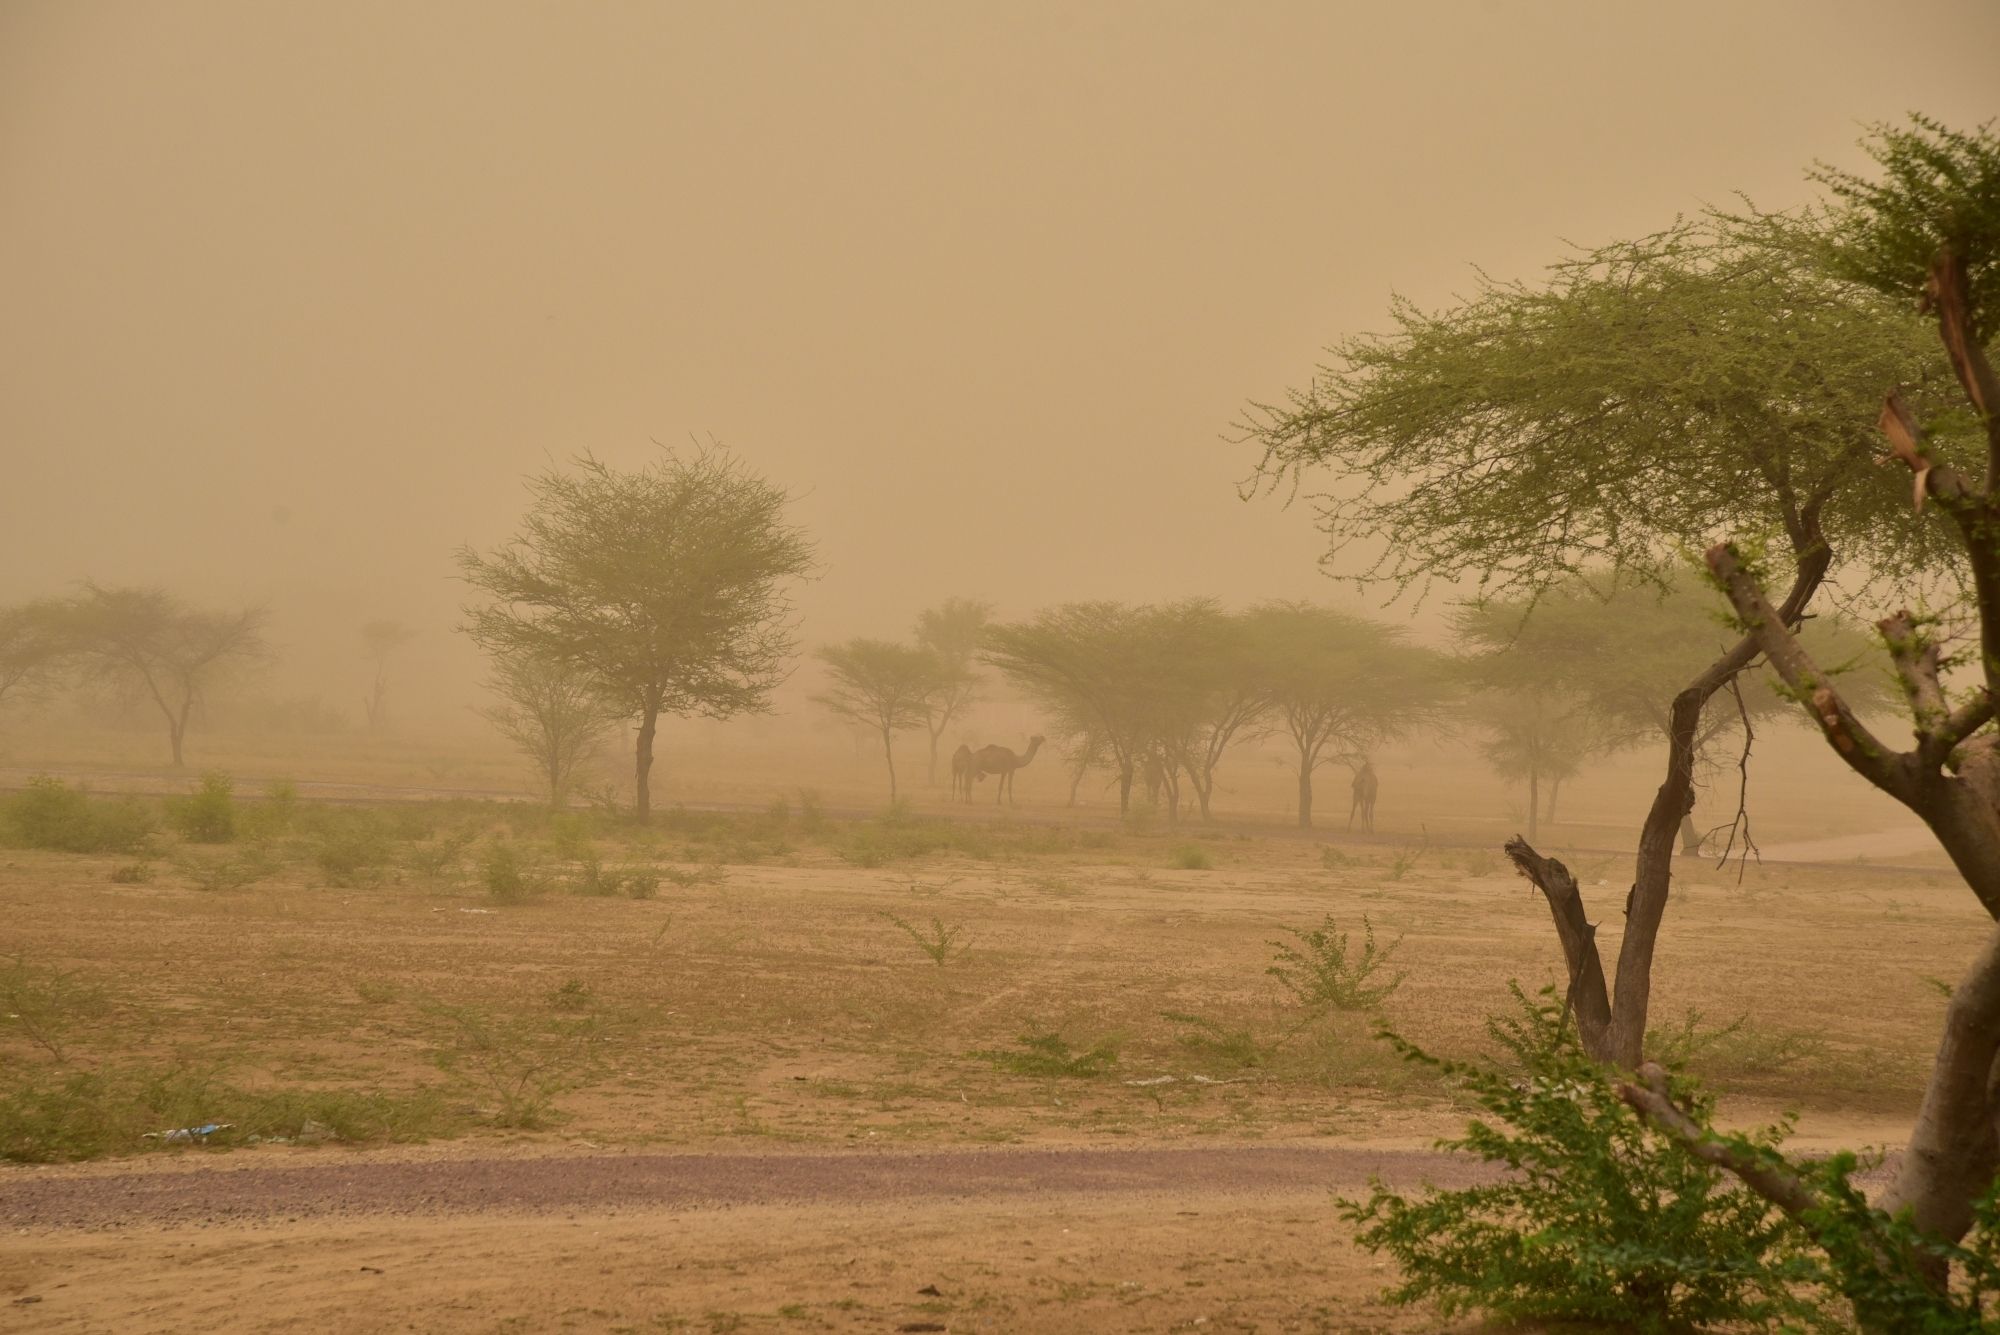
(1155, 1238)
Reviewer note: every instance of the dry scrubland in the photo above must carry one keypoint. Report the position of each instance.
(452, 978)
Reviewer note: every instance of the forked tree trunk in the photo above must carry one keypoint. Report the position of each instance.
(1627, 1005)
(889, 754)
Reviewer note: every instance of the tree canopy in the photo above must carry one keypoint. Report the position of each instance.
(667, 585)
(881, 685)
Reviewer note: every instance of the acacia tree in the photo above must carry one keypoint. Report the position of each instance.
(1649, 395)
(1928, 234)
(380, 639)
(151, 641)
(552, 712)
(1339, 684)
(32, 649)
(1094, 668)
(883, 686)
(666, 586)
(1216, 695)
(950, 631)
(1593, 665)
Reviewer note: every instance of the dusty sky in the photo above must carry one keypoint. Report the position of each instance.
(292, 295)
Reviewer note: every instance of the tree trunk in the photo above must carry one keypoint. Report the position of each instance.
(1305, 794)
(933, 770)
(1534, 801)
(1646, 905)
(642, 788)
(1125, 790)
(889, 754)
(1555, 786)
(1690, 837)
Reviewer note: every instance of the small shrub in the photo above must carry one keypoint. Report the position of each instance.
(351, 847)
(1190, 857)
(69, 1116)
(521, 1063)
(1600, 1219)
(1051, 1055)
(812, 811)
(49, 814)
(438, 860)
(511, 877)
(1735, 1048)
(131, 873)
(572, 994)
(694, 876)
(1331, 857)
(1316, 969)
(46, 1005)
(941, 944)
(208, 815)
(1481, 864)
(232, 871)
(1216, 1045)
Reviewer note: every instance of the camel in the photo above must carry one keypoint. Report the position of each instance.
(1003, 762)
(1365, 786)
(961, 773)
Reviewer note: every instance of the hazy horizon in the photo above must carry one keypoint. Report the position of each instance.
(296, 297)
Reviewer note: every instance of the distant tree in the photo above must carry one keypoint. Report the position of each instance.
(150, 640)
(1645, 397)
(882, 686)
(380, 639)
(1092, 668)
(951, 631)
(1217, 691)
(1593, 665)
(665, 586)
(33, 649)
(552, 712)
(1340, 684)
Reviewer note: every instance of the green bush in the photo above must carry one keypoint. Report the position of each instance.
(1051, 1055)
(350, 846)
(512, 877)
(1190, 857)
(208, 815)
(59, 1117)
(1318, 970)
(50, 814)
(1596, 1218)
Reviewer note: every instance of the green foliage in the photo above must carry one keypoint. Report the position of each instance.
(1317, 968)
(941, 944)
(1049, 1054)
(1216, 1045)
(45, 1005)
(351, 846)
(1644, 397)
(47, 813)
(229, 871)
(882, 686)
(1938, 187)
(61, 1117)
(1189, 857)
(594, 878)
(521, 1063)
(511, 876)
(1735, 1048)
(439, 859)
(208, 815)
(1878, 1261)
(1595, 1218)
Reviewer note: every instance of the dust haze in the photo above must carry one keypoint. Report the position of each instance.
(1056, 773)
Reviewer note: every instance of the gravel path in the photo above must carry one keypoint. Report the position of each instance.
(607, 1183)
